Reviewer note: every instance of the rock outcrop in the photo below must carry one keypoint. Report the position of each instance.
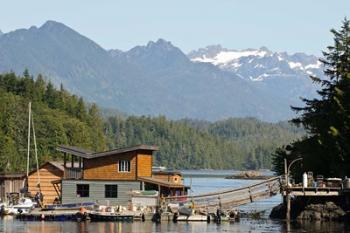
(327, 211)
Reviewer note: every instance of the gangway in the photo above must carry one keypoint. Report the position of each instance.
(230, 198)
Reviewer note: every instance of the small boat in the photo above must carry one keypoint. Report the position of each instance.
(25, 205)
(184, 210)
(109, 213)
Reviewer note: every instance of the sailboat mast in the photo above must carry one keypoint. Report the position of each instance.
(36, 154)
(29, 121)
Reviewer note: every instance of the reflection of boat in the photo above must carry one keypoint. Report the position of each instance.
(108, 216)
(196, 217)
(25, 205)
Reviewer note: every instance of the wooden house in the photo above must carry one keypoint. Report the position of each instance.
(169, 175)
(11, 183)
(110, 176)
(167, 182)
(104, 177)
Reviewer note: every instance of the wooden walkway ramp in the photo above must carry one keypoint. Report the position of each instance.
(230, 198)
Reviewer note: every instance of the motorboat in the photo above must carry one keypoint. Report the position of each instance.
(24, 205)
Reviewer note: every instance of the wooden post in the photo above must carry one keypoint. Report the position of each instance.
(72, 161)
(285, 171)
(159, 197)
(288, 207)
(64, 160)
(250, 194)
(64, 164)
(80, 162)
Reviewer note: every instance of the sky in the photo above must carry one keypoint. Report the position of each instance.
(292, 26)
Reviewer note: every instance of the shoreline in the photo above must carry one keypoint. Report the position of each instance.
(243, 177)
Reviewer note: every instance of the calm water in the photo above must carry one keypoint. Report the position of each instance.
(199, 185)
(259, 226)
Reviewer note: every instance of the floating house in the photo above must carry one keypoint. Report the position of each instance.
(104, 177)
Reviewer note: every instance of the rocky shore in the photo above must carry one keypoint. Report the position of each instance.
(327, 211)
(249, 175)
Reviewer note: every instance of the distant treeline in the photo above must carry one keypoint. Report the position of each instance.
(234, 143)
(63, 118)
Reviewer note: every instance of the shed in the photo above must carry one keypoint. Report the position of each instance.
(49, 172)
(11, 183)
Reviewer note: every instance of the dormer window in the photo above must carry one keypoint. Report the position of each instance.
(124, 165)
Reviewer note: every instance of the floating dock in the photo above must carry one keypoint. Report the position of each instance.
(54, 215)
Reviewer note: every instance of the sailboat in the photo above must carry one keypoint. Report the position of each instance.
(25, 204)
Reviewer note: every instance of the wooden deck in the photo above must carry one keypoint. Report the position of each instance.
(314, 191)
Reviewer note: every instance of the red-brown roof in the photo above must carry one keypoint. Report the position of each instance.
(160, 182)
(90, 154)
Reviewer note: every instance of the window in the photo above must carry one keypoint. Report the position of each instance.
(111, 190)
(124, 165)
(82, 190)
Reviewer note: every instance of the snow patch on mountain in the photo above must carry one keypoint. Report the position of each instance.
(225, 57)
(258, 64)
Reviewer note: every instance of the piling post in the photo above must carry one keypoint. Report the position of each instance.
(288, 206)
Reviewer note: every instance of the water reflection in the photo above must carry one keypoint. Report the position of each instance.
(11, 225)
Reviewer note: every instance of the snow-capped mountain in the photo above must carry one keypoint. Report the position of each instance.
(159, 79)
(278, 73)
(259, 64)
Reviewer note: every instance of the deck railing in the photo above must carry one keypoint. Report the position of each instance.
(73, 173)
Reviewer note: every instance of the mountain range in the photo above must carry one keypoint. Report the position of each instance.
(159, 79)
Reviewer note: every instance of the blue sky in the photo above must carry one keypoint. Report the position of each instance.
(293, 26)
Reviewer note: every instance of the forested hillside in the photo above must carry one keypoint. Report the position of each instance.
(63, 118)
(233, 143)
(59, 118)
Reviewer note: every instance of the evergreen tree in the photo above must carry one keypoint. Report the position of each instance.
(50, 95)
(96, 125)
(39, 87)
(54, 124)
(80, 111)
(326, 149)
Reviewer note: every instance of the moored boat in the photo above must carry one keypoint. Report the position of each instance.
(110, 213)
(25, 205)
